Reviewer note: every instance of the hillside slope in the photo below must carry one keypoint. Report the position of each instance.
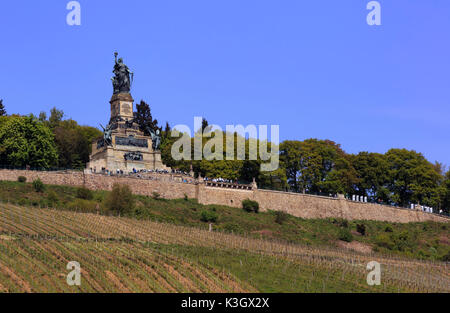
(120, 254)
(424, 240)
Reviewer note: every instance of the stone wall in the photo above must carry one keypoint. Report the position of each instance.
(162, 185)
(300, 205)
(308, 206)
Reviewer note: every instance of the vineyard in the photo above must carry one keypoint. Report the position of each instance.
(119, 254)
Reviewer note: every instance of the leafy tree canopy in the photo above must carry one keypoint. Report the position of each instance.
(317, 166)
(24, 140)
(412, 179)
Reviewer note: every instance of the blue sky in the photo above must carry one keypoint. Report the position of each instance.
(313, 67)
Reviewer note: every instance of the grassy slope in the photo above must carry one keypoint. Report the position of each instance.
(427, 240)
(125, 254)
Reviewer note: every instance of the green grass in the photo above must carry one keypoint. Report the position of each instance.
(427, 240)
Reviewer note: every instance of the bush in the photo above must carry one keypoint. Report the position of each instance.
(155, 195)
(345, 235)
(84, 193)
(82, 205)
(361, 228)
(208, 216)
(23, 201)
(403, 241)
(120, 199)
(250, 205)
(99, 197)
(340, 222)
(22, 179)
(38, 185)
(52, 198)
(232, 228)
(281, 217)
(446, 257)
(388, 229)
(384, 241)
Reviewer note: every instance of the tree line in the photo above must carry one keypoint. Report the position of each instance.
(398, 177)
(43, 142)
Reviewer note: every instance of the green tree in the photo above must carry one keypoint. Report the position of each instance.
(43, 117)
(317, 166)
(275, 180)
(412, 179)
(205, 126)
(56, 116)
(2, 108)
(144, 118)
(74, 143)
(26, 141)
(167, 131)
(373, 174)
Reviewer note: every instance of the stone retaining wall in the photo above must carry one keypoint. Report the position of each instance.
(300, 205)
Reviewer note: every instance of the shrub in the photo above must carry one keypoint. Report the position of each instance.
(343, 223)
(446, 257)
(22, 179)
(38, 185)
(340, 222)
(281, 217)
(82, 205)
(345, 235)
(250, 205)
(155, 195)
(23, 201)
(361, 228)
(232, 228)
(208, 216)
(99, 197)
(403, 241)
(52, 198)
(388, 229)
(384, 241)
(84, 193)
(120, 199)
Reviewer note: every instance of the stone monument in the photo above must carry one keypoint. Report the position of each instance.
(123, 146)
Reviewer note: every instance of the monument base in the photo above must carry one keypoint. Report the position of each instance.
(124, 147)
(112, 159)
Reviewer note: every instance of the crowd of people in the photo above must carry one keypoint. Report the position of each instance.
(220, 180)
(141, 171)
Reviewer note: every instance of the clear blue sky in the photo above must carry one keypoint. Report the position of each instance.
(313, 67)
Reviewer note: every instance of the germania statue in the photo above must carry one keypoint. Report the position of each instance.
(121, 81)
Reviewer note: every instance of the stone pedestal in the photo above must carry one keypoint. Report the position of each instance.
(122, 106)
(130, 148)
